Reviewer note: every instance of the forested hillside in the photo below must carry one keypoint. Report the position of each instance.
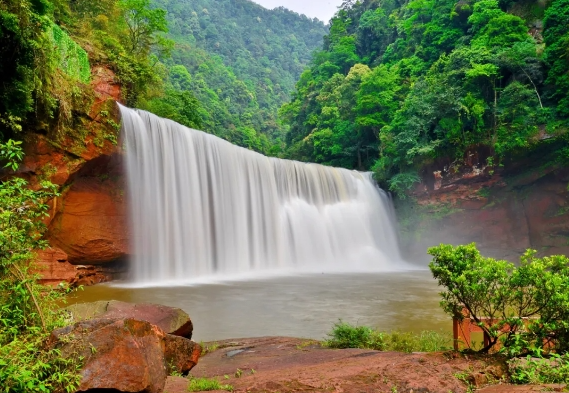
(399, 84)
(47, 52)
(242, 63)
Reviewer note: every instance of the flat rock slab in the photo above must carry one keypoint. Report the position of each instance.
(170, 319)
(279, 364)
(286, 365)
(176, 385)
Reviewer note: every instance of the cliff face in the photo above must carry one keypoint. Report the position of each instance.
(505, 210)
(90, 221)
(87, 225)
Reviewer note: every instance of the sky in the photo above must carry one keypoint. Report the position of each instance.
(321, 9)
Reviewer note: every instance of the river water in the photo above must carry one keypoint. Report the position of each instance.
(304, 306)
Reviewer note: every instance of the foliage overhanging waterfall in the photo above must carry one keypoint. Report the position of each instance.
(202, 207)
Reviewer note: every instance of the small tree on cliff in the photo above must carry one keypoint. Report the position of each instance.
(144, 27)
(27, 309)
(526, 307)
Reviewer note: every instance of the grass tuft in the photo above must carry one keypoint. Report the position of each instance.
(207, 384)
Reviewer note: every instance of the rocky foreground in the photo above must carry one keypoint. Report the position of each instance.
(124, 347)
(147, 348)
(280, 364)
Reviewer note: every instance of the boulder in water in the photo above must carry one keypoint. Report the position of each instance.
(170, 319)
(125, 355)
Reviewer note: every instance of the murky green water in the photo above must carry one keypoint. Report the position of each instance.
(300, 306)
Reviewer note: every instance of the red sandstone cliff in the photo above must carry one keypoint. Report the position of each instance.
(505, 210)
(87, 225)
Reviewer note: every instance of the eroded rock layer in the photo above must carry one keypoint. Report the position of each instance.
(505, 210)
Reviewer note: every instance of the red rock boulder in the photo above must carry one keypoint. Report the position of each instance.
(180, 354)
(124, 355)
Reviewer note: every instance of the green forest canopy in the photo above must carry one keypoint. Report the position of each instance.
(221, 66)
(396, 85)
(400, 83)
(45, 69)
(241, 61)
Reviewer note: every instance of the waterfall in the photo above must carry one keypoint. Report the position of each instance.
(202, 207)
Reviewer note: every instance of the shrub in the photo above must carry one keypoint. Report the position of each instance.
(526, 307)
(345, 335)
(401, 183)
(539, 370)
(28, 311)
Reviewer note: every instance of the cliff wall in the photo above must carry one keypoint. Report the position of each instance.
(87, 227)
(505, 210)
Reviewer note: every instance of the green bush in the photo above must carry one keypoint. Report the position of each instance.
(73, 60)
(539, 370)
(526, 307)
(28, 311)
(345, 335)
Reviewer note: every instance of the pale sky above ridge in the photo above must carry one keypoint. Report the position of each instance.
(321, 9)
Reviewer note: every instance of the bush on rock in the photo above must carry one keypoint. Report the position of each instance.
(523, 307)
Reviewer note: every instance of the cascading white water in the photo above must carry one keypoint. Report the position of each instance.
(203, 207)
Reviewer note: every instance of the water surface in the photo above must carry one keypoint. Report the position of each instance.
(298, 306)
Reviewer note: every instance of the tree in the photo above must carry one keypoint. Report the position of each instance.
(23, 55)
(178, 105)
(445, 77)
(144, 25)
(524, 307)
(522, 57)
(377, 100)
(556, 37)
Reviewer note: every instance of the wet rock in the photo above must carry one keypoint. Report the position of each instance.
(54, 268)
(124, 355)
(106, 88)
(505, 214)
(555, 387)
(88, 275)
(287, 365)
(496, 371)
(169, 319)
(87, 222)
